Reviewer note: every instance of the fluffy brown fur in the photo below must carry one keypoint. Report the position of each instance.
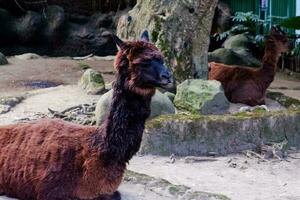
(57, 160)
(247, 85)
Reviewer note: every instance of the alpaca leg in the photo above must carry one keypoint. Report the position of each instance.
(115, 196)
(2, 192)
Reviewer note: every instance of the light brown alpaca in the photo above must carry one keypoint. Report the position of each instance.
(246, 85)
(57, 160)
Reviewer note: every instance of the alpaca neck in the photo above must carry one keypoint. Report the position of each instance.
(125, 123)
(270, 61)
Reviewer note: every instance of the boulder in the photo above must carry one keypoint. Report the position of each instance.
(92, 82)
(236, 51)
(170, 95)
(56, 22)
(230, 57)
(52, 33)
(247, 55)
(160, 105)
(201, 96)
(28, 27)
(179, 28)
(28, 56)
(238, 41)
(102, 20)
(3, 60)
(6, 26)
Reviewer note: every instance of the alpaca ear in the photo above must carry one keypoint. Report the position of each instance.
(145, 36)
(115, 38)
(118, 41)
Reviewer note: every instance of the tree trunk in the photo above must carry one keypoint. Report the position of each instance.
(181, 29)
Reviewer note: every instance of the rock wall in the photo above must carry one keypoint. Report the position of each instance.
(72, 7)
(198, 135)
(179, 28)
(53, 33)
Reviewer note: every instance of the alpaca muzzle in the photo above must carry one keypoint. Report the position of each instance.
(165, 79)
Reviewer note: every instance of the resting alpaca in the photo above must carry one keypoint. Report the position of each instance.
(246, 85)
(57, 160)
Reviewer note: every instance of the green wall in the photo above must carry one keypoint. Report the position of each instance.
(277, 9)
(282, 8)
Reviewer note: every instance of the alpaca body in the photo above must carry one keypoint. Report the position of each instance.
(246, 85)
(57, 160)
(47, 157)
(241, 84)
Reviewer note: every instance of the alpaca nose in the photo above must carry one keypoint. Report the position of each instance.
(165, 75)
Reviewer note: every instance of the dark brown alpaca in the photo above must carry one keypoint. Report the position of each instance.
(247, 85)
(57, 160)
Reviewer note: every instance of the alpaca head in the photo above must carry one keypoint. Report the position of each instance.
(144, 65)
(279, 37)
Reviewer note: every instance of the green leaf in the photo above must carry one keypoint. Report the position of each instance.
(292, 23)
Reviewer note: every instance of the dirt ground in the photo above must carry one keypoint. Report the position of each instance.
(236, 176)
(17, 76)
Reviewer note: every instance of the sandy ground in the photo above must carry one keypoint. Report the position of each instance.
(235, 176)
(37, 102)
(249, 180)
(287, 85)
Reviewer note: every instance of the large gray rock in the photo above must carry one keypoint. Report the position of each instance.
(28, 27)
(160, 105)
(56, 22)
(238, 41)
(236, 51)
(3, 60)
(201, 96)
(92, 82)
(179, 28)
(234, 57)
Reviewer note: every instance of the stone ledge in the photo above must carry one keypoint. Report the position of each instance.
(198, 135)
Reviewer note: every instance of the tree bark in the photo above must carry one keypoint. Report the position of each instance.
(181, 29)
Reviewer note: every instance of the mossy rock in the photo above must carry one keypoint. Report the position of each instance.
(3, 60)
(170, 95)
(286, 101)
(92, 82)
(166, 190)
(160, 105)
(194, 134)
(83, 66)
(200, 96)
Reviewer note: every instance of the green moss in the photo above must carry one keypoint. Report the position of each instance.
(175, 191)
(157, 123)
(156, 30)
(284, 100)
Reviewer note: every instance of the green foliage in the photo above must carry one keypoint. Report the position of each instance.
(243, 22)
(296, 50)
(291, 23)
